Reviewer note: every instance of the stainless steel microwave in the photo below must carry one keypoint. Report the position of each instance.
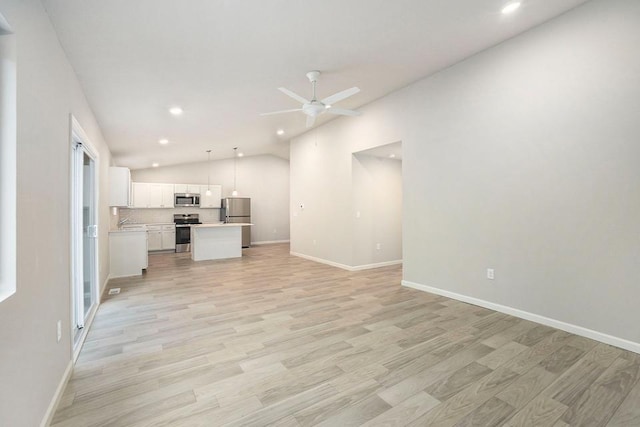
(186, 200)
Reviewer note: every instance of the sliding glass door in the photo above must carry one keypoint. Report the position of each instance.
(84, 236)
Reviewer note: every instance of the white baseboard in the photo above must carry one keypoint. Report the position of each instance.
(269, 242)
(85, 331)
(568, 327)
(105, 285)
(344, 266)
(376, 265)
(53, 405)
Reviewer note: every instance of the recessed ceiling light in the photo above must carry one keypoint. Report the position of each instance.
(327, 106)
(240, 154)
(163, 141)
(155, 165)
(511, 7)
(392, 156)
(280, 132)
(176, 111)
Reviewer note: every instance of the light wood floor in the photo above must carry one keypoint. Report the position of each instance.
(272, 339)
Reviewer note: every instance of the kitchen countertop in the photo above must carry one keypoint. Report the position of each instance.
(137, 226)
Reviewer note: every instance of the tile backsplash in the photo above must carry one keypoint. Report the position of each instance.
(151, 216)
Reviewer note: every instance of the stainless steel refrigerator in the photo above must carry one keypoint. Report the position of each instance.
(235, 210)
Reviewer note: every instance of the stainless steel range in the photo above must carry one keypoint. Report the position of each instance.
(183, 230)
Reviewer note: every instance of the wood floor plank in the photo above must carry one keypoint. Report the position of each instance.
(272, 339)
(628, 414)
(491, 413)
(502, 354)
(358, 413)
(405, 411)
(527, 387)
(600, 401)
(457, 407)
(458, 380)
(542, 411)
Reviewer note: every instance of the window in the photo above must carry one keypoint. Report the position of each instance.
(7, 161)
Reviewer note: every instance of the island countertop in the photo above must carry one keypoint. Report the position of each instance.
(221, 224)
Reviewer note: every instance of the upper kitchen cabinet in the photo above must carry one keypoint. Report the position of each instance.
(187, 188)
(213, 200)
(146, 195)
(119, 187)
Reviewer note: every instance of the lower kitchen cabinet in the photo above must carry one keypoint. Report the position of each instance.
(168, 237)
(161, 237)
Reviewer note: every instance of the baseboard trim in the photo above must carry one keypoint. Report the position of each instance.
(53, 405)
(568, 327)
(344, 266)
(269, 242)
(105, 285)
(85, 332)
(376, 265)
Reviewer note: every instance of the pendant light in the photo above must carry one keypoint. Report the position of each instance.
(235, 167)
(208, 192)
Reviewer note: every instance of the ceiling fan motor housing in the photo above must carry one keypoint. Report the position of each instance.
(313, 108)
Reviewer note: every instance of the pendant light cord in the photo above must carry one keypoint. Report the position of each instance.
(235, 163)
(209, 171)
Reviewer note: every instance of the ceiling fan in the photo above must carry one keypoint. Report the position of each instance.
(314, 107)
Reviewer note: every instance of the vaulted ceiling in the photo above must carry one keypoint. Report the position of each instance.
(223, 60)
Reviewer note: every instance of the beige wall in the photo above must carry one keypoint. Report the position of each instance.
(32, 363)
(263, 178)
(377, 206)
(523, 158)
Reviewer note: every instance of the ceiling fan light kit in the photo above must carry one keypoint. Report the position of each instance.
(313, 108)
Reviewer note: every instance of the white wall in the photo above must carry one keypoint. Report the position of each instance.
(377, 205)
(523, 158)
(263, 178)
(32, 363)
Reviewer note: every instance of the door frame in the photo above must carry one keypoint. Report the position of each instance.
(78, 135)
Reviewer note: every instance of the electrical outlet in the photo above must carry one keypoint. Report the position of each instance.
(490, 274)
(314, 241)
(378, 246)
(357, 214)
(59, 330)
(275, 231)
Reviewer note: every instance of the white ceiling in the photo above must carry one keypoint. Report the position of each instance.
(222, 61)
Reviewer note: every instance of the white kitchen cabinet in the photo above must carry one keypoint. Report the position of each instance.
(212, 201)
(154, 233)
(119, 187)
(151, 195)
(162, 237)
(140, 195)
(168, 237)
(187, 188)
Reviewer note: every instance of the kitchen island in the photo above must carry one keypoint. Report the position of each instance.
(216, 241)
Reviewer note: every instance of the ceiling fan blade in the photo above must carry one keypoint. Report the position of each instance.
(293, 95)
(340, 96)
(280, 112)
(310, 121)
(343, 112)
